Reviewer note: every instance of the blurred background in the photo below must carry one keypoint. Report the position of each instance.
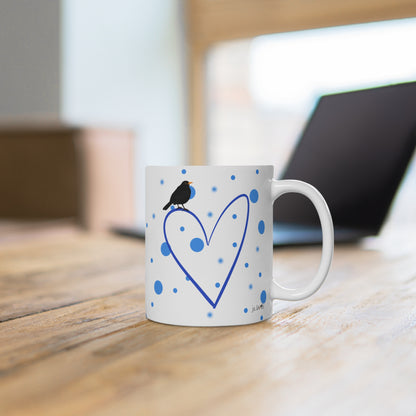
(93, 91)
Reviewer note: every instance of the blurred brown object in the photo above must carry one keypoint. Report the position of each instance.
(64, 171)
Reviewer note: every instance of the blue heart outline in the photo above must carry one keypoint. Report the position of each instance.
(207, 241)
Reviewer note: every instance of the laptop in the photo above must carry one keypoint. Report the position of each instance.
(354, 149)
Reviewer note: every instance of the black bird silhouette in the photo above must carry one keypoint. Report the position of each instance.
(180, 195)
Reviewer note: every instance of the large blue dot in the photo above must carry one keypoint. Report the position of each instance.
(193, 192)
(232, 177)
(184, 171)
(254, 196)
(197, 244)
(158, 287)
(245, 310)
(214, 189)
(182, 228)
(164, 248)
(263, 296)
(261, 227)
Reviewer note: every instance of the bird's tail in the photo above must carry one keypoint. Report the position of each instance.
(167, 206)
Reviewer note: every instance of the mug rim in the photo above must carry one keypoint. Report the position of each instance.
(211, 166)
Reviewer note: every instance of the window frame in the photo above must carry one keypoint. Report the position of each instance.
(212, 21)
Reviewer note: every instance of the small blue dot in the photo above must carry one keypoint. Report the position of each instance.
(245, 310)
(175, 290)
(187, 277)
(234, 244)
(250, 286)
(220, 260)
(152, 304)
(246, 265)
(197, 245)
(162, 181)
(261, 227)
(217, 284)
(232, 177)
(193, 192)
(209, 314)
(214, 189)
(261, 317)
(164, 248)
(210, 214)
(153, 216)
(263, 296)
(147, 224)
(158, 287)
(254, 196)
(234, 216)
(184, 171)
(257, 248)
(151, 260)
(257, 171)
(172, 207)
(260, 274)
(182, 229)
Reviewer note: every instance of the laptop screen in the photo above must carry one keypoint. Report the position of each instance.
(354, 150)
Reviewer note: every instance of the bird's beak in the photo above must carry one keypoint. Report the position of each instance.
(189, 183)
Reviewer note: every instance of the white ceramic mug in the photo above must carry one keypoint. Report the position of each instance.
(209, 248)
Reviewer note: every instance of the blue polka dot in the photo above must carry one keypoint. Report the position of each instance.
(151, 260)
(158, 287)
(197, 244)
(193, 192)
(152, 304)
(210, 214)
(234, 244)
(234, 216)
(187, 277)
(232, 177)
(153, 216)
(182, 229)
(261, 227)
(261, 317)
(245, 310)
(263, 296)
(257, 248)
(164, 248)
(214, 189)
(246, 265)
(209, 314)
(162, 181)
(257, 171)
(172, 207)
(184, 171)
(254, 196)
(250, 286)
(175, 290)
(217, 284)
(260, 274)
(220, 260)
(147, 224)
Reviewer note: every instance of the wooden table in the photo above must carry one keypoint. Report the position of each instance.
(74, 339)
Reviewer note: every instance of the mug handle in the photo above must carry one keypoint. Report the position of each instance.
(281, 187)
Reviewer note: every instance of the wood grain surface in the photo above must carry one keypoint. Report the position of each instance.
(74, 339)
